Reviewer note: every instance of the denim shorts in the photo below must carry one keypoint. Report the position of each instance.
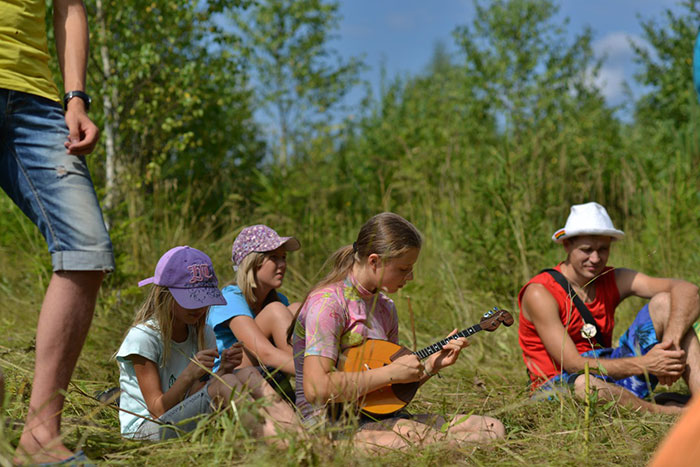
(639, 338)
(52, 188)
(181, 418)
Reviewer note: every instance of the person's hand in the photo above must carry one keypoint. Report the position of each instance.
(203, 361)
(406, 369)
(231, 358)
(448, 355)
(665, 362)
(82, 133)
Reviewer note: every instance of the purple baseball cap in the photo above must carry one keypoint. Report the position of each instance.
(189, 276)
(259, 238)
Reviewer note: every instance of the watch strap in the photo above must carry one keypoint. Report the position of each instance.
(80, 94)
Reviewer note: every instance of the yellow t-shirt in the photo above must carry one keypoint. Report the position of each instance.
(24, 53)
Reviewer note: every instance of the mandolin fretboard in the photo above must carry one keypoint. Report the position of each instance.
(436, 347)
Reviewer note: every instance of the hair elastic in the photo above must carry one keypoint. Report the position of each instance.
(354, 247)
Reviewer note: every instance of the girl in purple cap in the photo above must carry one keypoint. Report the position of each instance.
(350, 306)
(166, 357)
(256, 314)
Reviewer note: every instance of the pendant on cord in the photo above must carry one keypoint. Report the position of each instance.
(588, 331)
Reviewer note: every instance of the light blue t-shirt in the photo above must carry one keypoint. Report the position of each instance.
(219, 316)
(145, 341)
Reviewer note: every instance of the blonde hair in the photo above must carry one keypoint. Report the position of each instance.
(158, 309)
(387, 235)
(246, 276)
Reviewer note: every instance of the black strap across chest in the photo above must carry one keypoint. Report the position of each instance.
(578, 303)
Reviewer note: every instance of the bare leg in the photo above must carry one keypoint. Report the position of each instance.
(691, 345)
(273, 321)
(279, 416)
(475, 428)
(613, 392)
(660, 310)
(64, 321)
(278, 413)
(426, 429)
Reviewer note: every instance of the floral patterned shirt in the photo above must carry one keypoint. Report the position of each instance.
(335, 318)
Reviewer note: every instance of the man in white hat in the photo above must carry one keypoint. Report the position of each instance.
(567, 317)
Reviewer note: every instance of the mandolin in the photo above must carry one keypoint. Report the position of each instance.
(376, 353)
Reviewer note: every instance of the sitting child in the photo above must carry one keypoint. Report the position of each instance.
(256, 314)
(350, 306)
(166, 357)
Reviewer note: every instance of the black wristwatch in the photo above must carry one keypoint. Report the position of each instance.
(71, 94)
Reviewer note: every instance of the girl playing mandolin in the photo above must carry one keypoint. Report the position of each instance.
(348, 307)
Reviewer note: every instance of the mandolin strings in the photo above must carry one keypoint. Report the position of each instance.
(436, 347)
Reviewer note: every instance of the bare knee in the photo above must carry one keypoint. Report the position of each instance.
(659, 311)
(275, 316)
(277, 310)
(83, 279)
(220, 388)
(580, 386)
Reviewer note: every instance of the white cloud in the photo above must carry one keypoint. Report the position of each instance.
(615, 46)
(610, 80)
(618, 63)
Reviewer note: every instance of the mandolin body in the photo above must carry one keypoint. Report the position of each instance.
(375, 353)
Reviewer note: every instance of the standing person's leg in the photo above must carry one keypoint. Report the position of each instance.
(55, 191)
(64, 321)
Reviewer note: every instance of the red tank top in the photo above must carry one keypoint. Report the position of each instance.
(540, 365)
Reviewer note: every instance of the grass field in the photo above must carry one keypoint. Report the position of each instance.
(489, 378)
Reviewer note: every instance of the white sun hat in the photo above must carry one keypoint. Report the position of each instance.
(587, 219)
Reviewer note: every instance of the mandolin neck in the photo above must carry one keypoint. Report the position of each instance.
(436, 347)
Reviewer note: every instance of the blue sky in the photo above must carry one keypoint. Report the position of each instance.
(402, 34)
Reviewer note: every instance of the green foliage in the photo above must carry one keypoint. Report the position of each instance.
(299, 78)
(484, 150)
(667, 68)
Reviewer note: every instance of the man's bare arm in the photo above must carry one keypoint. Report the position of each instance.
(543, 311)
(685, 302)
(71, 31)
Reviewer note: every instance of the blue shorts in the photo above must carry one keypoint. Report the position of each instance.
(639, 338)
(52, 188)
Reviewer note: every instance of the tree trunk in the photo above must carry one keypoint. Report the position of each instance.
(111, 122)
